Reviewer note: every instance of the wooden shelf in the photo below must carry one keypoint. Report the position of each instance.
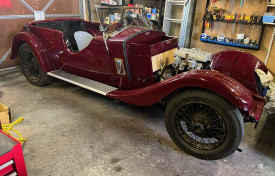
(269, 23)
(110, 5)
(242, 22)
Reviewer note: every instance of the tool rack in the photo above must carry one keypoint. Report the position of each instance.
(207, 40)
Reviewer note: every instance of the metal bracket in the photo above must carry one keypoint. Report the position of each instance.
(27, 5)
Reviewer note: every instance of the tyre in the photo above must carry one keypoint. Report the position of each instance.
(204, 124)
(31, 68)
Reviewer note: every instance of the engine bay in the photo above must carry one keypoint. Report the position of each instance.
(185, 60)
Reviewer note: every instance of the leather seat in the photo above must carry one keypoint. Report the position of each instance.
(68, 27)
(83, 39)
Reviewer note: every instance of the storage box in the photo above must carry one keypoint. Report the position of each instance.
(5, 117)
(11, 156)
(268, 19)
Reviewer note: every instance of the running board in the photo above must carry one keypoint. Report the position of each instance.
(94, 86)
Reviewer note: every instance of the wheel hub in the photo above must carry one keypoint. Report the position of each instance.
(30, 65)
(201, 126)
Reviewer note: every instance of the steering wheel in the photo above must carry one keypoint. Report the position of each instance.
(112, 27)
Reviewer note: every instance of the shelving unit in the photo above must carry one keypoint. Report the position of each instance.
(123, 4)
(270, 24)
(160, 20)
(157, 22)
(207, 40)
(109, 5)
(160, 6)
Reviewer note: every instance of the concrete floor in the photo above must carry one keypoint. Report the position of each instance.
(72, 131)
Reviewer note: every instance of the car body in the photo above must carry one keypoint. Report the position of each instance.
(126, 63)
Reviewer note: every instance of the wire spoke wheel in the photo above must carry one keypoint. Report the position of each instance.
(200, 126)
(204, 124)
(30, 66)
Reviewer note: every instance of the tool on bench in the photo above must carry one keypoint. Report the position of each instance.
(236, 18)
(231, 6)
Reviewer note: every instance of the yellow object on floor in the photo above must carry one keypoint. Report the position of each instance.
(8, 128)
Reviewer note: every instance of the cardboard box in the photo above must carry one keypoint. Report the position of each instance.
(5, 116)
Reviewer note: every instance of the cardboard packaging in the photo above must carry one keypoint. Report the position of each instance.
(5, 116)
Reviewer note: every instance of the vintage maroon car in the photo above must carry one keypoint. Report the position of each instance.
(208, 100)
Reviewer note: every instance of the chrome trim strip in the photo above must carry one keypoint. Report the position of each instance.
(89, 84)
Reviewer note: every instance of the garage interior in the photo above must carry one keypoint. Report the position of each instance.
(74, 131)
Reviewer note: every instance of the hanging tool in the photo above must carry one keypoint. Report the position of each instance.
(235, 19)
(221, 14)
(242, 3)
(258, 20)
(231, 6)
(241, 27)
(216, 13)
(252, 20)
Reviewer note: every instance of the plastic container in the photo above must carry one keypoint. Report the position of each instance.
(240, 36)
(268, 19)
(220, 37)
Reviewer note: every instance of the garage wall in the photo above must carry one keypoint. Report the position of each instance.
(258, 7)
(9, 27)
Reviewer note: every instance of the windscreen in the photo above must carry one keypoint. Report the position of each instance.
(118, 18)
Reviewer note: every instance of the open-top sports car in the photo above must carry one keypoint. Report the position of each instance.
(208, 98)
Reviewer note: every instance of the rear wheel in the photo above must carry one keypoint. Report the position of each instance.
(204, 124)
(31, 68)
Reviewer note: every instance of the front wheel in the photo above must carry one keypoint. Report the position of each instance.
(204, 124)
(31, 68)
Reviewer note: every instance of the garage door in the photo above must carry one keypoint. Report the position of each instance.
(14, 13)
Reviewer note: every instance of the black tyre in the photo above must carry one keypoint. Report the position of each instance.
(31, 68)
(204, 124)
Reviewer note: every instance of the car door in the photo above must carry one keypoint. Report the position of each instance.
(91, 62)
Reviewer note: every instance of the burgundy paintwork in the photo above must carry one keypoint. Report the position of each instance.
(240, 66)
(213, 81)
(233, 79)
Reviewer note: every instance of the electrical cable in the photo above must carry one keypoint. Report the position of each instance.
(8, 128)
